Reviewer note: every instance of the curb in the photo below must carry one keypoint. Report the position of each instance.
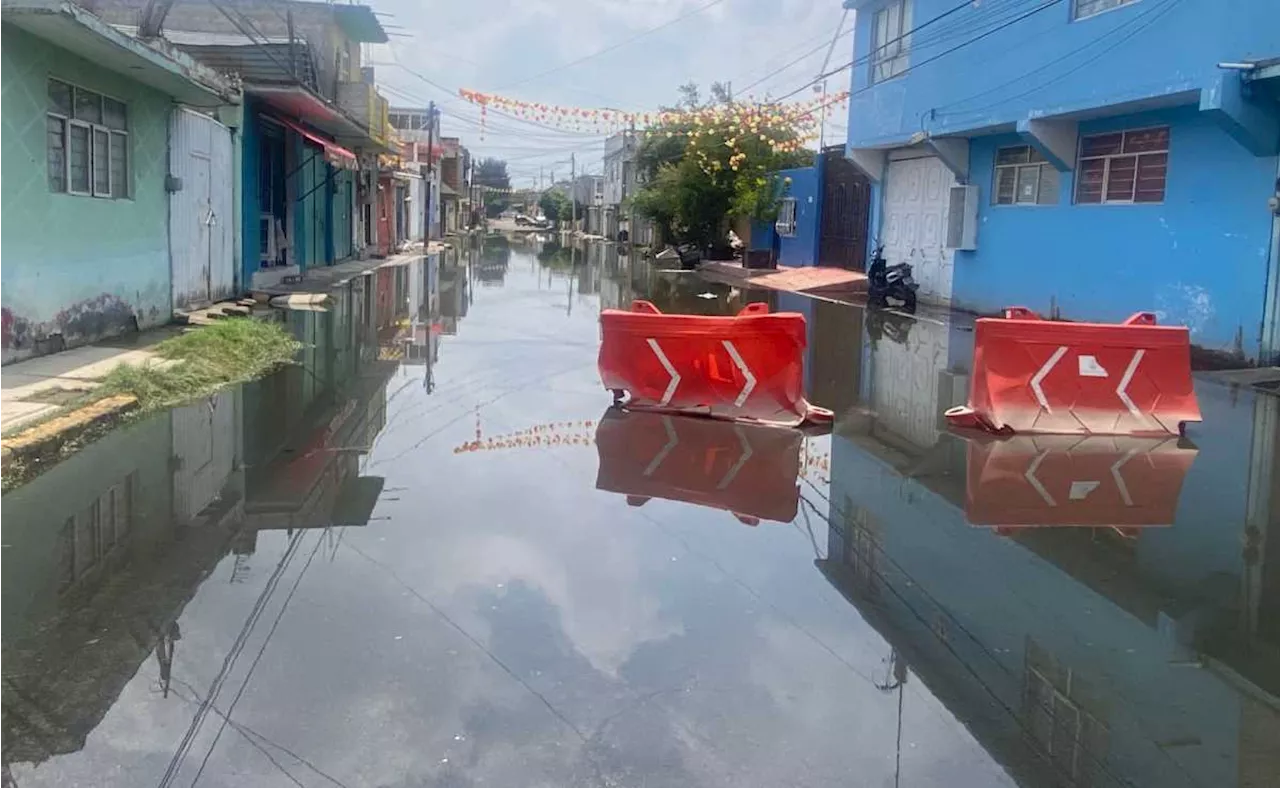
(47, 439)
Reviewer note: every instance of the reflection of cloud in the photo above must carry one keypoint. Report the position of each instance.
(599, 607)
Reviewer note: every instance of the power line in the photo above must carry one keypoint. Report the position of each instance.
(791, 63)
(1154, 12)
(613, 47)
(1043, 6)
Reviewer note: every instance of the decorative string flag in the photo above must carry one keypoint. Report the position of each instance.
(757, 117)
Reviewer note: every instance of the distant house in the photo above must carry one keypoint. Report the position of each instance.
(312, 127)
(420, 147)
(93, 218)
(621, 180)
(1085, 158)
(455, 179)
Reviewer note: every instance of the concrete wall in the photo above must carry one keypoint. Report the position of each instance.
(1197, 259)
(81, 267)
(801, 248)
(1036, 65)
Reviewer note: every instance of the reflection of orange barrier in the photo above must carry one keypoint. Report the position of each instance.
(746, 367)
(1032, 375)
(751, 470)
(1045, 480)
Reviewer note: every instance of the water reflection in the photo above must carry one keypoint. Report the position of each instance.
(494, 260)
(103, 552)
(748, 470)
(1104, 653)
(1091, 613)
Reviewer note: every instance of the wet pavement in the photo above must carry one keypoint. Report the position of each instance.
(429, 555)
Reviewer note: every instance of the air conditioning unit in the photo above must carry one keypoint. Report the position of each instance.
(962, 218)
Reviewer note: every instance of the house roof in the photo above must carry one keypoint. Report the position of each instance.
(157, 65)
(263, 63)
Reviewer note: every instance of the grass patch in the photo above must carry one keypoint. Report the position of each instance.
(202, 361)
(229, 351)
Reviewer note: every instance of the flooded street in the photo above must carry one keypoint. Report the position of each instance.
(430, 555)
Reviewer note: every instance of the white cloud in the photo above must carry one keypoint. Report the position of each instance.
(498, 45)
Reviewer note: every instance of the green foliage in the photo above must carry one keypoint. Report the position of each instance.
(710, 163)
(495, 204)
(491, 172)
(555, 205)
(556, 256)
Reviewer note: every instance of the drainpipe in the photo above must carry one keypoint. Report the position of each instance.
(1270, 352)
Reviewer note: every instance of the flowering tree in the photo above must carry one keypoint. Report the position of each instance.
(704, 164)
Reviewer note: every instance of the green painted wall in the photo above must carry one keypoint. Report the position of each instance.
(83, 267)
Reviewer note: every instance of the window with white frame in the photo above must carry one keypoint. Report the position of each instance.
(88, 142)
(1086, 8)
(1023, 177)
(890, 42)
(1123, 167)
(786, 224)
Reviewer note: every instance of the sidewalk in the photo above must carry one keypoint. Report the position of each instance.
(33, 389)
(36, 388)
(810, 280)
(322, 279)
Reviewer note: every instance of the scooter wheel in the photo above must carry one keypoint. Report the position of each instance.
(909, 302)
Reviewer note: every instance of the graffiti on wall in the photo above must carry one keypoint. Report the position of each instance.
(103, 315)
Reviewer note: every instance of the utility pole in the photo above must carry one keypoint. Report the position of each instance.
(573, 194)
(822, 127)
(629, 195)
(429, 170)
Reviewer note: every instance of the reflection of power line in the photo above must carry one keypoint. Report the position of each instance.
(197, 719)
(1096, 761)
(257, 738)
(472, 638)
(257, 658)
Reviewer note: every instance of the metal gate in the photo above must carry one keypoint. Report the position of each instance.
(201, 254)
(846, 197)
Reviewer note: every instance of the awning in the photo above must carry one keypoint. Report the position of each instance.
(172, 72)
(299, 102)
(334, 153)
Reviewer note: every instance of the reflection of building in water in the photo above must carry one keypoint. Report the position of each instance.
(495, 257)
(1088, 656)
(307, 426)
(102, 553)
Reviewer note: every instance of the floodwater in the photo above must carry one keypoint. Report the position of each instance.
(429, 555)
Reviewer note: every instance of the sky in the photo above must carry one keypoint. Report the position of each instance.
(520, 48)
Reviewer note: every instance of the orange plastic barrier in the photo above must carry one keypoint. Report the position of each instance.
(751, 470)
(750, 366)
(1055, 480)
(1033, 375)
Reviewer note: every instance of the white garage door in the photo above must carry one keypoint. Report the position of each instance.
(915, 222)
(905, 382)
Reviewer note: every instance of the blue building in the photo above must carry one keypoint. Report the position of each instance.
(1085, 158)
(822, 215)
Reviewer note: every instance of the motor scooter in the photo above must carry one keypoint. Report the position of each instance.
(886, 281)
